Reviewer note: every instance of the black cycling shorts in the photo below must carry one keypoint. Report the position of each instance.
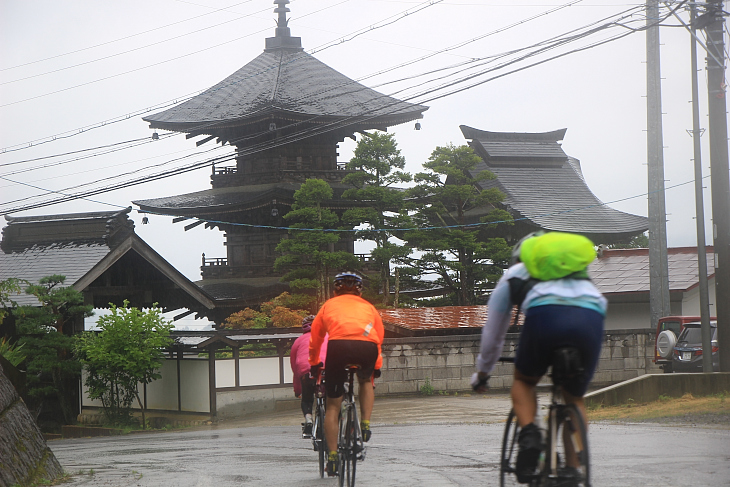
(550, 327)
(341, 353)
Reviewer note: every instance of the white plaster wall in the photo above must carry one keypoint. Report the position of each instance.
(225, 373)
(691, 300)
(259, 371)
(194, 392)
(162, 393)
(85, 400)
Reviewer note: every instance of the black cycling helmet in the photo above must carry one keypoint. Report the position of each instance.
(348, 283)
(518, 246)
(307, 323)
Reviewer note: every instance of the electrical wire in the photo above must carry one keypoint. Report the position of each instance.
(461, 44)
(74, 132)
(168, 173)
(124, 38)
(408, 229)
(185, 169)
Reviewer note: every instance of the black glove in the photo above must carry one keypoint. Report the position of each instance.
(376, 373)
(479, 382)
(314, 369)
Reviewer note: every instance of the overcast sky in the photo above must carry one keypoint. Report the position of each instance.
(66, 66)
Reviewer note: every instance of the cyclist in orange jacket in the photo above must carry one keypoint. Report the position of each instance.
(355, 336)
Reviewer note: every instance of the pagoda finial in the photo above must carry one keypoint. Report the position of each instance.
(282, 28)
(283, 38)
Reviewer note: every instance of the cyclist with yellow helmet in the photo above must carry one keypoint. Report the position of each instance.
(562, 309)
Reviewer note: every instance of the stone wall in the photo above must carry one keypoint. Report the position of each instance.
(447, 362)
(25, 458)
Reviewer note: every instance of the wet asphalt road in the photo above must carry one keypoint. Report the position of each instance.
(434, 441)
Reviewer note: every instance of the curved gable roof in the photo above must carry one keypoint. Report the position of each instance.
(548, 193)
(290, 82)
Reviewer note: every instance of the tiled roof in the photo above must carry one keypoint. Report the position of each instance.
(70, 260)
(518, 147)
(553, 196)
(627, 270)
(286, 81)
(446, 317)
(84, 246)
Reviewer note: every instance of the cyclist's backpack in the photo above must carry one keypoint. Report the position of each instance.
(556, 255)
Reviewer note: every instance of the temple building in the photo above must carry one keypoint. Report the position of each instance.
(544, 187)
(285, 113)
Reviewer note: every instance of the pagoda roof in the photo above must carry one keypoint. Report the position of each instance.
(546, 187)
(288, 83)
(236, 198)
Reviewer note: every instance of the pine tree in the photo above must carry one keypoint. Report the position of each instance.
(379, 165)
(309, 255)
(449, 201)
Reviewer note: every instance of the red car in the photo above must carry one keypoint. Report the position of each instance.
(667, 331)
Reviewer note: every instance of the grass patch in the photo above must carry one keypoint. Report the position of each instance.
(664, 407)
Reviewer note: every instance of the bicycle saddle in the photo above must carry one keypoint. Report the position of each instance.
(352, 367)
(567, 365)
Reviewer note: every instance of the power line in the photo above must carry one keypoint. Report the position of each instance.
(287, 140)
(121, 118)
(461, 44)
(125, 38)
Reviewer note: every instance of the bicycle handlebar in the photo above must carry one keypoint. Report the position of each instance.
(506, 359)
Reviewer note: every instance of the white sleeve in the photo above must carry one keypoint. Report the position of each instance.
(499, 312)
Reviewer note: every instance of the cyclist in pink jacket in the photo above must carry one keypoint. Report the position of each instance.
(303, 381)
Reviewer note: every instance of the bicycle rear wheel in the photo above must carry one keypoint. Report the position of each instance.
(509, 452)
(568, 460)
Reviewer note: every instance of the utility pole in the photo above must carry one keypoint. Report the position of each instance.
(713, 23)
(658, 265)
(699, 204)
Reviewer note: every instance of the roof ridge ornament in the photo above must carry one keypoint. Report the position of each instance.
(282, 38)
(282, 24)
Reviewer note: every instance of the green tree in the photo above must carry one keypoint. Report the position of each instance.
(309, 254)
(46, 336)
(12, 352)
(379, 165)
(9, 287)
(455, 214)
(126, 352)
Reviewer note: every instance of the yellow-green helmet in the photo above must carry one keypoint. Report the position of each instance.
(555, 255)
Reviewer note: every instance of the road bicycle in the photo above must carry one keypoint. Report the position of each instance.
(564, 435)
(350, 446)
(319, 443)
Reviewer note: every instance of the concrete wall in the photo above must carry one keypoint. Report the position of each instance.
(237, 403)
(649, 387)
(448, 362)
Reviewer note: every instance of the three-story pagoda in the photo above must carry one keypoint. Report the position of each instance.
(285, 113)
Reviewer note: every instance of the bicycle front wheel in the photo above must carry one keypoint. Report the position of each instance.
(509, 452)
(319, 439)
(568, 459)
